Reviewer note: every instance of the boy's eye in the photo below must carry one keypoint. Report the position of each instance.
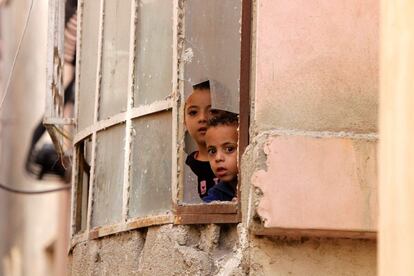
(211, 151)
(192, 112)
(229, 149)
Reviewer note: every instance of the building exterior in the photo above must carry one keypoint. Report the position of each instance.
(308, 93)
(317, 194)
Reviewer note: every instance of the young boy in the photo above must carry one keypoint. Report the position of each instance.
(197, 112)
(221, 140)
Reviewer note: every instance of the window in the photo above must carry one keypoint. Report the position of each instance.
(133, 73)
(211, 51)
(54, 117)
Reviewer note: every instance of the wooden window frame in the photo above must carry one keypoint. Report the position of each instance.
(224, 212)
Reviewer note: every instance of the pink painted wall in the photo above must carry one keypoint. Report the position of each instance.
(314, 183)
(316, 96)
(317, 65)
(311, 165)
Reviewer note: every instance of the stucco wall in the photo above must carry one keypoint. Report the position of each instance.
(317, 65)
(270, 256)
(311, 163)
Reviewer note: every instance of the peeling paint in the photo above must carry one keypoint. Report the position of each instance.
(188, 55)
(326, 194)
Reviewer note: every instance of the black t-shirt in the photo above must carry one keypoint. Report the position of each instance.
(205, 176)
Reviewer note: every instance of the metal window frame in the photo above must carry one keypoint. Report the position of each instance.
(100, 125)
(226, 212)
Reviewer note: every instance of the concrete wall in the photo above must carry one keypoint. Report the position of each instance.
(314, 136)
(163, 250)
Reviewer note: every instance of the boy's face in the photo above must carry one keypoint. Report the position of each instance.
(221, 144)
(197, 112)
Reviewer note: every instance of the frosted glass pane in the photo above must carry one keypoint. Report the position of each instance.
(151, 165)
(115, 58)
(109, 174)
(212, 49)
(154, 51)
(88, 66)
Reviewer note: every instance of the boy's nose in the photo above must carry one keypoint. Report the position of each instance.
(219, 156)
(203, 117)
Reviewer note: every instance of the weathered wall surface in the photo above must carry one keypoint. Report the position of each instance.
(312, 257)
(162, 250)
(313, 137)
(317, 65)
(219, 250)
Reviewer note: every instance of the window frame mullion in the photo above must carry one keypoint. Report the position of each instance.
(130, 105)
(95, 117)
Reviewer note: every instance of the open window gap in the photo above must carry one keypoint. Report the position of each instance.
(229, 88)
(81, 193)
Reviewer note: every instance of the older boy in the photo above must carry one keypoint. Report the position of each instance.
(197, 113)
(221, 141)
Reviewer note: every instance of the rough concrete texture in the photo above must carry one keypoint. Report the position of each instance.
(112, 255)
(84, 258)
(318, 183)
(165, 250)
(187, 250)
(317, 65)
(312, 257)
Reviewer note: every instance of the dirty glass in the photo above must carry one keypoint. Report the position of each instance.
(88, 65)
(154, 51)
(115, 58)
(151, 165)
(109, 175)
(212, 49)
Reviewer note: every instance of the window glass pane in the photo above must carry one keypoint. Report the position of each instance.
(154, 51)
(109, 175)
(115, 58)
(88, 65)
(212, 49)
(151, 165)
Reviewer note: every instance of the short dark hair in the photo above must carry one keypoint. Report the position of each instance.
(226, 118)
(202, 85)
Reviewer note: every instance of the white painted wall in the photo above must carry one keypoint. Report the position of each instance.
(28, 224)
